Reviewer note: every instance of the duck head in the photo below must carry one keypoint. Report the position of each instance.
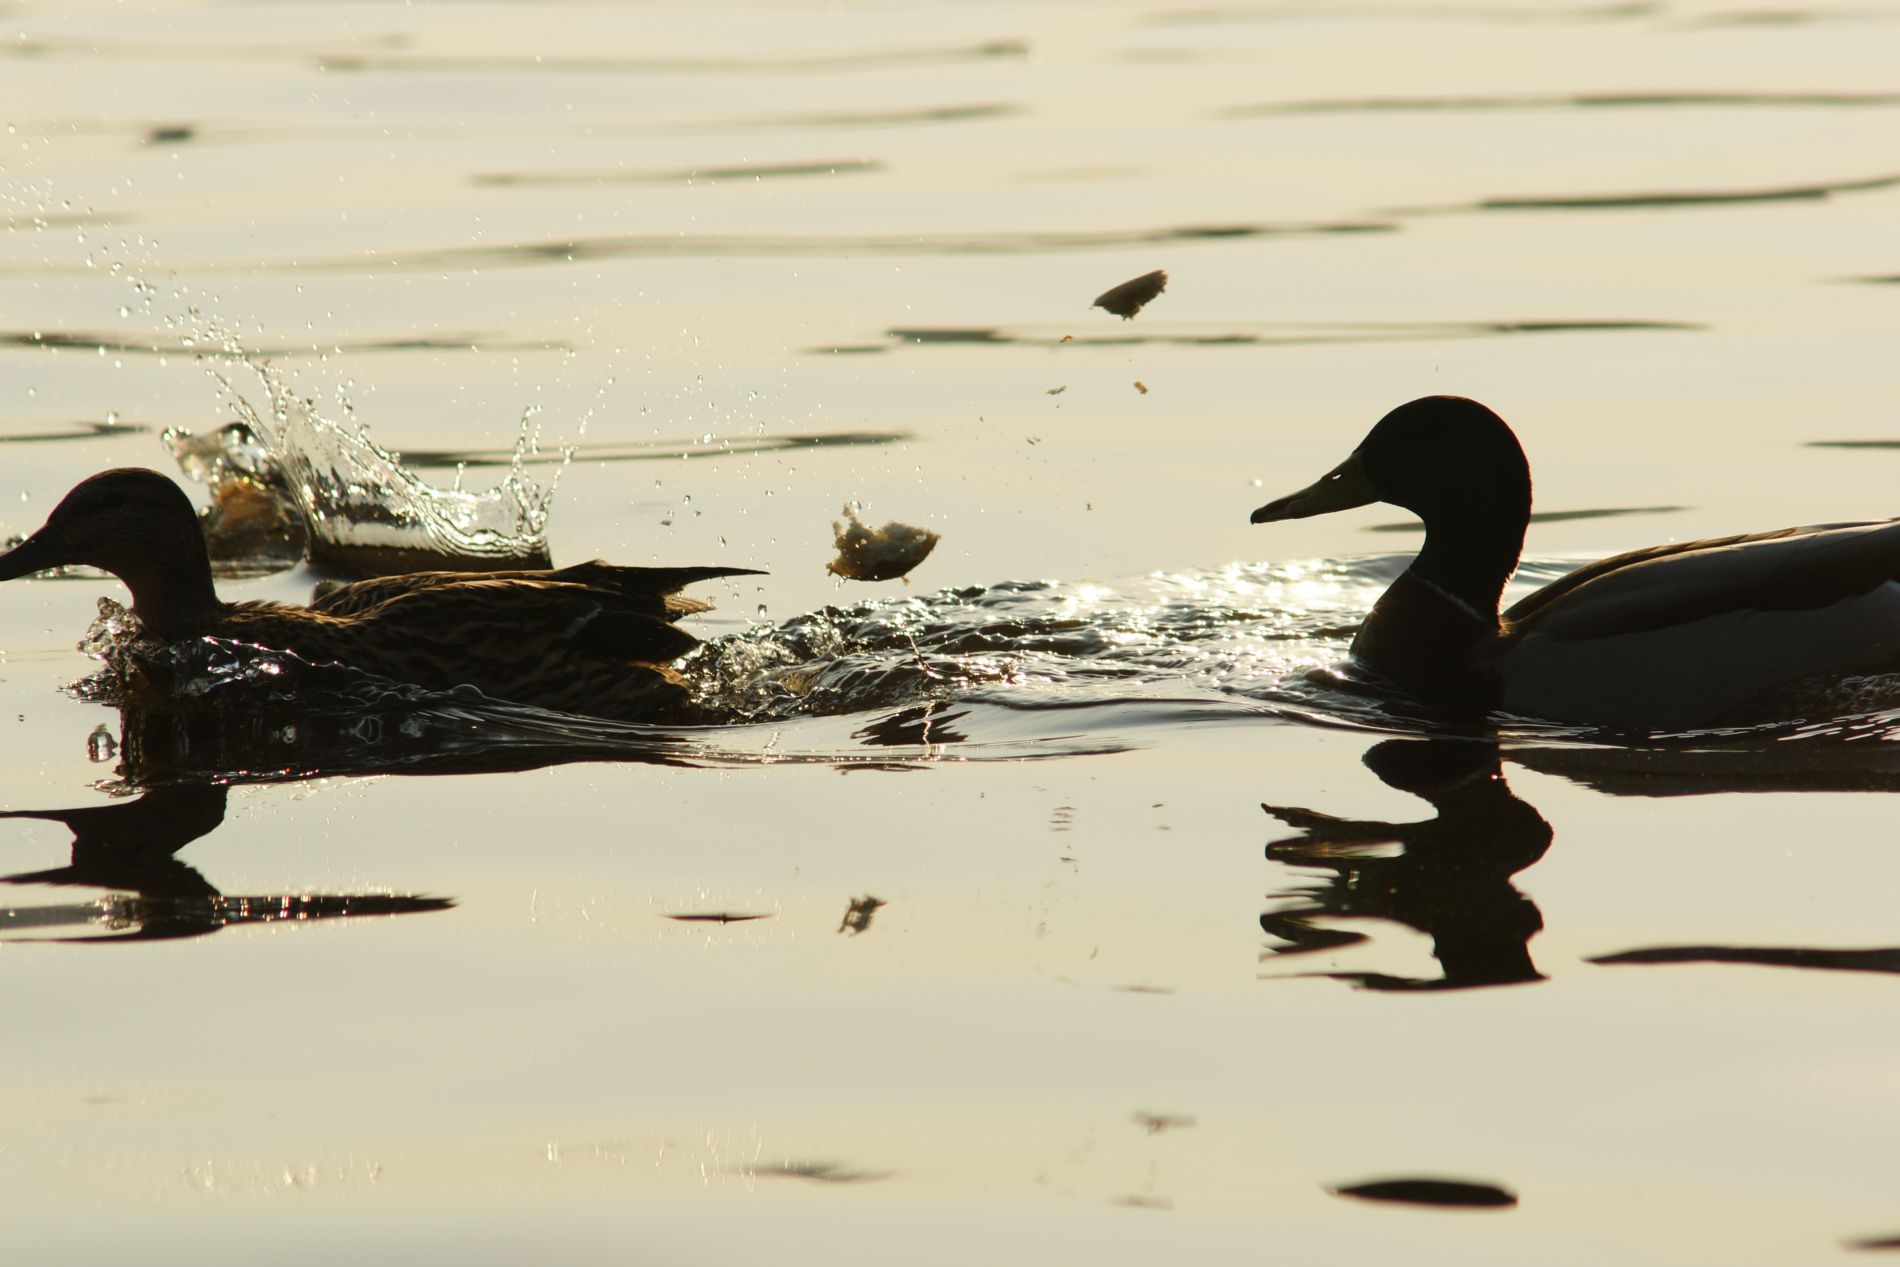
(1433, 457)
(1455, 465)
(137, 525)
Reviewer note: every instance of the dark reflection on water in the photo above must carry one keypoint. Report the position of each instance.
(129, 848)
(1882, 959)
(676, 176)
(1874, 1242)
(813, 1172)
(633, 245)
(874, 59)
(1565, 101)
(1422, 1191)
(1787, 16)
(1657, 199)
(200, 133)
(398, 60)
(78, 431)
(96, 341)
(1450, 876)
(658, 450)
(1277, 334)
(1476, 13)
(1450, 879)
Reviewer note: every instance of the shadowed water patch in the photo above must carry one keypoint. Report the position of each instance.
(1565, 101)
(1784, 17)
(658, 450)
(1484, 14)
(1267, 334)
(1439, 1192)
(690, 244)
(676, 176)
(634, 246)
(96, 342)
(218, 133)
(79, 431)
(397, 59)
(872, 59)
(1656, 199)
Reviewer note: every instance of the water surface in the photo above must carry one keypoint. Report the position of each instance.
(1041, 907)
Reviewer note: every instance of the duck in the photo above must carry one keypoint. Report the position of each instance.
(1733, 630)
(594, 638)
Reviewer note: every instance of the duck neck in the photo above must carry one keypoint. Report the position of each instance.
(1429, 627)
(172, 594)
(1469, 558)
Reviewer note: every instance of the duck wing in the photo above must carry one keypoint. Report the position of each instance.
(558, 645)
(653, 590)
(1706, 632)
(1795, 569)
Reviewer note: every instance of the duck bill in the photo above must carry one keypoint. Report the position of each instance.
(30, 556)
(1341, 488)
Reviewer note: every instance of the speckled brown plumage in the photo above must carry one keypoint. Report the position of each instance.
(592, 638)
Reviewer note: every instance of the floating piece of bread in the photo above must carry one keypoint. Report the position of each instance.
(878, 554)
(1131, 297)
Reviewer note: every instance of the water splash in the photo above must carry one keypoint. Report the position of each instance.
(365, 512)
(1005, 672)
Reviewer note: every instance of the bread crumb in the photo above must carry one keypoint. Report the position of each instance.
(1132, 296)
(877, 554)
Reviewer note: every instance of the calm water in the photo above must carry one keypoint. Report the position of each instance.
(1057, 917)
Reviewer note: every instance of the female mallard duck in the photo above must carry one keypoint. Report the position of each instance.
(1692, 634)
(591, 639)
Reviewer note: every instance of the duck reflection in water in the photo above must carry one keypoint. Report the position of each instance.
(1450, 879)
(129, 848)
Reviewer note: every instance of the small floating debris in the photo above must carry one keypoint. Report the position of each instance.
(857, 917)
(1875, 1242)
(814, 1172)
(1142, 1201)
(877, 554)
(1132, 296)
(1155, 1123)
(716, 917)
(1141, 387)
(1057, 391)
(1446, 1192)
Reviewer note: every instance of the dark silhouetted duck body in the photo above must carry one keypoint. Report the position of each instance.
(593, 639)
(1696, 633)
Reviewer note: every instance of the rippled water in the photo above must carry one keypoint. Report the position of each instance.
(1070, 897)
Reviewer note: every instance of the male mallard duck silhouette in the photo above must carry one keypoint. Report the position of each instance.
(1686, 634)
